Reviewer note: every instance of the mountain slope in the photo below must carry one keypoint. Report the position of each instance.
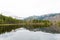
(54, 18)
(45, 17)
(8, 20)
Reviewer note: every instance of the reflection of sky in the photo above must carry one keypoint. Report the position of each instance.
(27, 35)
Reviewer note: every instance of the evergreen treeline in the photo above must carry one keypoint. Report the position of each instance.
(10, 20)
(8, 23)
(7, 20)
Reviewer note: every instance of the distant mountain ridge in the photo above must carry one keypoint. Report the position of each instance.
(45, 17)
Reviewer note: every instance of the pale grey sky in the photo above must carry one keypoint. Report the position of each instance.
(25, 8)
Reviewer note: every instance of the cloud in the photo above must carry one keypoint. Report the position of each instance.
(24, 8)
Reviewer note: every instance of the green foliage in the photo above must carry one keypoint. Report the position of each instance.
(9, 23)
(8, 20)
(38, 23)
(58, 23)
(8, 28)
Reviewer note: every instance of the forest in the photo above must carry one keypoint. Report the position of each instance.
(8, 23)
(11, 20)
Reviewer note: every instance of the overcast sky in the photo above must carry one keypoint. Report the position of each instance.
(25, 8)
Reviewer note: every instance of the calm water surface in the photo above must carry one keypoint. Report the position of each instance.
(23, 34)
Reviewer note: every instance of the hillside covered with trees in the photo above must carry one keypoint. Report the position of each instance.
(8, 23)
(8, 20)
(48, 24)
